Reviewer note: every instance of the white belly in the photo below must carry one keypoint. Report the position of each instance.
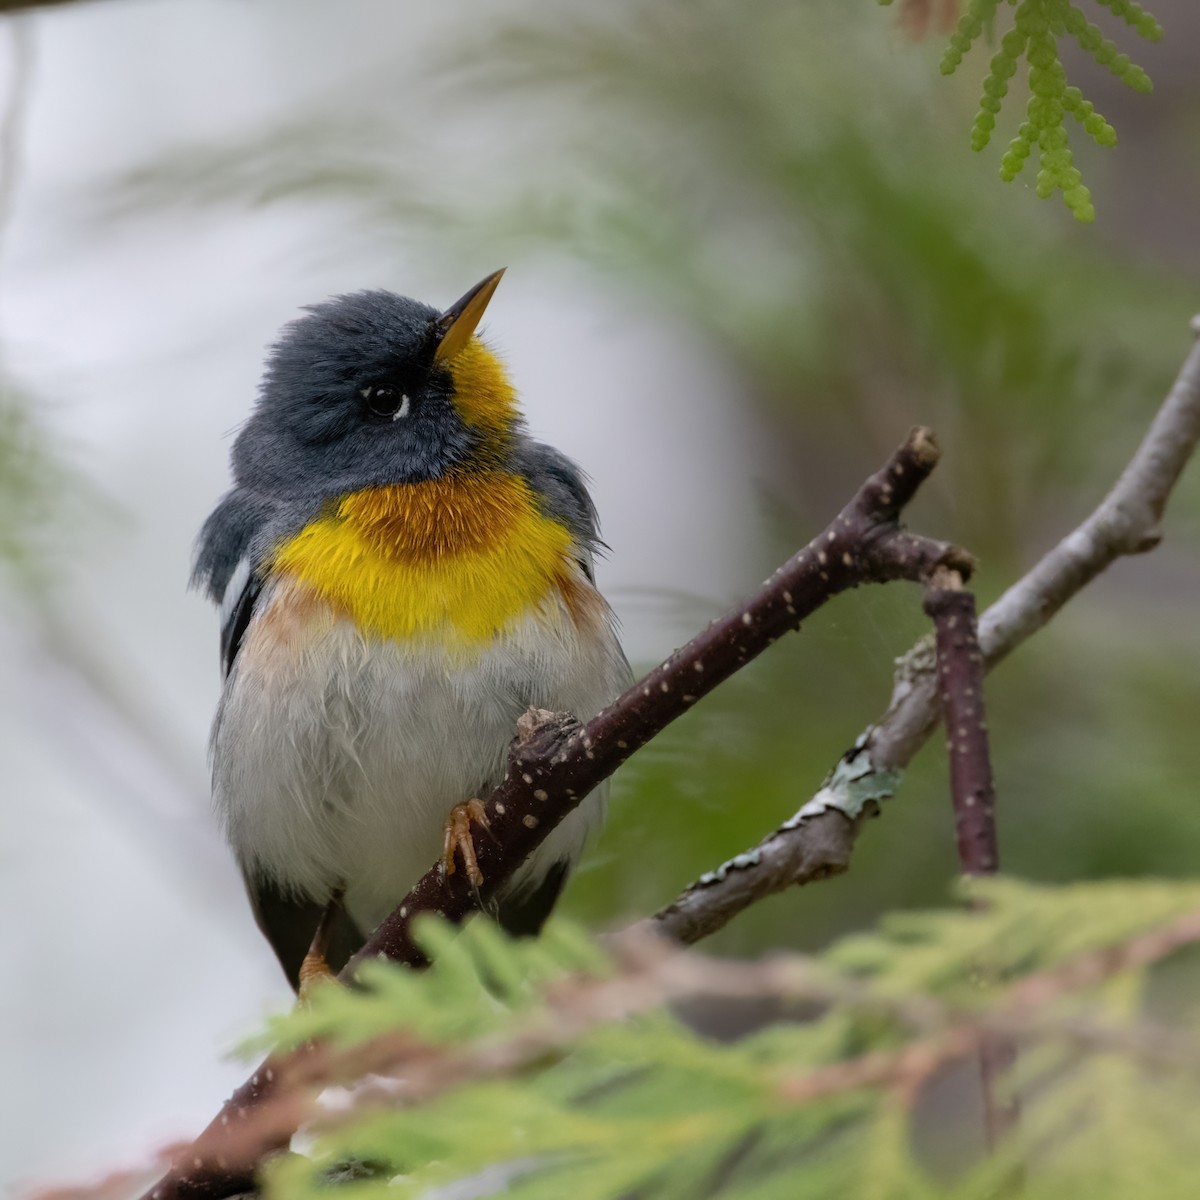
(336, 759)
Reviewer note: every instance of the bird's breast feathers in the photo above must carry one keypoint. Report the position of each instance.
(456, 560)
(380, 678)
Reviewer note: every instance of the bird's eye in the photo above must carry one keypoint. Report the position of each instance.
(385, 401)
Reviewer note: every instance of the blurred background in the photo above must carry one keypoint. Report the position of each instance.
(748, 247)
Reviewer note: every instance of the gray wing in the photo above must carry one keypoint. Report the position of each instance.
(561, 487)
(524, 913)
(225, 566)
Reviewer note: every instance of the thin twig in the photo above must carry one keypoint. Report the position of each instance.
(819, 840)
(960, 686)
(973, 798)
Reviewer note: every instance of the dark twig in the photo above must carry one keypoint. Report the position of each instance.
(973, 797)
(960, 684)
(211, 1167)
(819, 839)
(554, 762)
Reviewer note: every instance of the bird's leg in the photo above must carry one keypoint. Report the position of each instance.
(314, 968)
(458, 837)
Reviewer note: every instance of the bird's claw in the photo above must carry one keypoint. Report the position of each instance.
(314, 970)
(458, 837)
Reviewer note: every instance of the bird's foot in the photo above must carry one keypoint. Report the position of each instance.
(314, 969)
(458, 837)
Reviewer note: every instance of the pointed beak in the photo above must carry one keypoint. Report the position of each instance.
(459, 321)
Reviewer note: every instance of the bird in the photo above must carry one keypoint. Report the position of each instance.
(401, 572)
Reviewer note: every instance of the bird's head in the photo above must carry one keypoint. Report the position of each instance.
(373, 388)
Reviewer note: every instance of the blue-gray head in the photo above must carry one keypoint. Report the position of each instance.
(373, 388)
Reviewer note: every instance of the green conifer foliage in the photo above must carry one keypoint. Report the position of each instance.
(1038, 26)
(551, 1068)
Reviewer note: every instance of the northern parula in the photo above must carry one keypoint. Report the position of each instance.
(402, 571)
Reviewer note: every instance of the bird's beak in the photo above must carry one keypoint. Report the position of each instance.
(459, 321)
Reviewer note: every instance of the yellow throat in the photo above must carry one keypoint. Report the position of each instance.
(461, 556)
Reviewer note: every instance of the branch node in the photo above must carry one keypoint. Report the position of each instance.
(1146, 541)
(946, 577)
(923, 444)
(529, 721)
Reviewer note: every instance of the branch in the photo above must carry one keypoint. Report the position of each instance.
(817, 842)
(973, 796)
(555, 762)
(960, 683)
